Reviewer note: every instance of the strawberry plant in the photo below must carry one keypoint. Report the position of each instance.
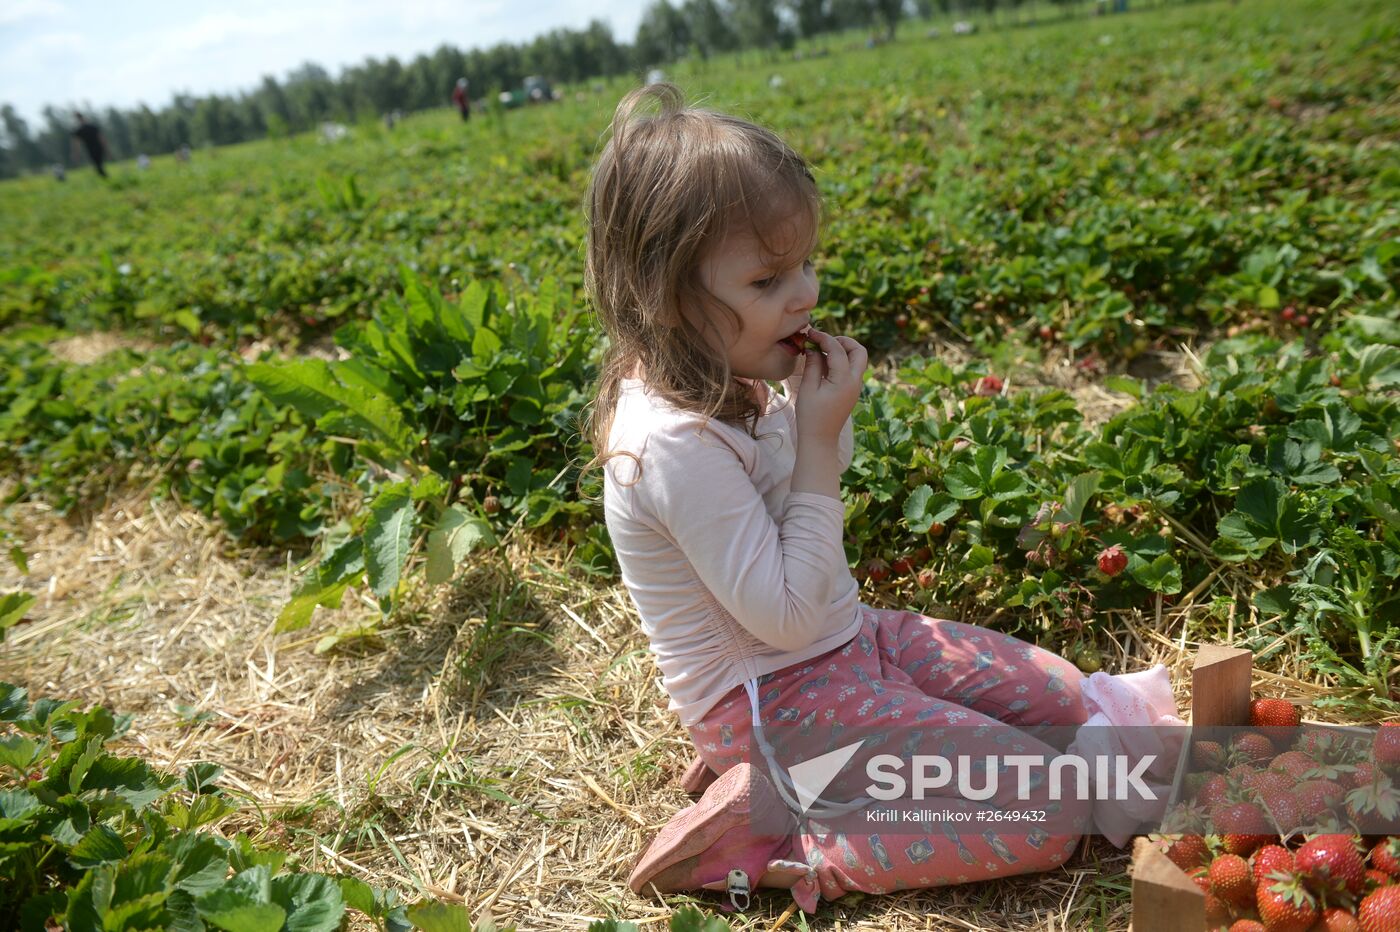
(91, 840)
(447, 407)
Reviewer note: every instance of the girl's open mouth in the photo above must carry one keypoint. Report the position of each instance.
(795, 343)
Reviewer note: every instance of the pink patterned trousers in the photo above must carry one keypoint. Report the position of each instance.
(911, 682)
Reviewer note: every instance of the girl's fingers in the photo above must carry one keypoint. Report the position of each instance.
(835, 352)
(844, 356)
(813, 369)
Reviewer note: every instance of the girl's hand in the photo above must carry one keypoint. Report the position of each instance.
(830, 385)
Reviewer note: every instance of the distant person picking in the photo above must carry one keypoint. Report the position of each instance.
(460, 98)
(93, 141)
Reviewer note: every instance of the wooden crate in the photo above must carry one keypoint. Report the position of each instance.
(1164, 898)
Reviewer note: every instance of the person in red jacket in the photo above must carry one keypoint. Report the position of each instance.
(460, 98)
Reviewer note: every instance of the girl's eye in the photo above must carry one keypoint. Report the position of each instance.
(765, 282)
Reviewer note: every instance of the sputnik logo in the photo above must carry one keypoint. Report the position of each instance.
(811, 777)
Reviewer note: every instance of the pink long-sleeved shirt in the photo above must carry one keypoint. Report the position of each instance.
(733, 575)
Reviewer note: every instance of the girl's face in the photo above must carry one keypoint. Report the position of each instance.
(772, 303)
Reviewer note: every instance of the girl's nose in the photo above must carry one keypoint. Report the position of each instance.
(807, 293)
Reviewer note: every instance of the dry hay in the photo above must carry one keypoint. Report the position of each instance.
(505, 745)
(86, 348)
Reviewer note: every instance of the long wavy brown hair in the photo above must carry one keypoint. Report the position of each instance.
(668, 186)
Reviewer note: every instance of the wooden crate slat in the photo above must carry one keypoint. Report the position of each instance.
(1164, 898)
(1220, 681)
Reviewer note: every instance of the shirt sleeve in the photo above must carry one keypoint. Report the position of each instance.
(775, 578)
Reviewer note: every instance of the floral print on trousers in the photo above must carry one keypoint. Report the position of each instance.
(908, 683)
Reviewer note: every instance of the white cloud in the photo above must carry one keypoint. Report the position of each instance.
(16, 12)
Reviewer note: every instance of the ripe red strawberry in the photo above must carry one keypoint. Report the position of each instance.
(1316, 797)
(1375, 878)
(1112, 561)
(1231, 881)
(1268, 859)
(902, 565)
(1293, 763)
(1207, 755)
(1332, 864)
(1253, 746)
(1242, 826)
(1274, 713)
(1281, 806)
(1364, 773)
(1247, 925)
(1385, 747)
(1380, 912)
(1213, 791)
(1337, 919)
(876, 570)
(1188, 852)
(1285, 904)
(987, 386)
(1385, 856)
(1217, 912)
(1268, 781)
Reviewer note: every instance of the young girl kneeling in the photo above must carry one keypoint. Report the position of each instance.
(722, 498)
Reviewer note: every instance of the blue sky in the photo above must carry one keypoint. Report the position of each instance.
(76, 52)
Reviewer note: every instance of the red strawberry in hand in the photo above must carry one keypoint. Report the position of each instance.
(1112, 561)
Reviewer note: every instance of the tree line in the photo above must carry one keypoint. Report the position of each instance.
(309, 95)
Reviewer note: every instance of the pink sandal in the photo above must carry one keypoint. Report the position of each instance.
(697, 778)
(711, 846)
